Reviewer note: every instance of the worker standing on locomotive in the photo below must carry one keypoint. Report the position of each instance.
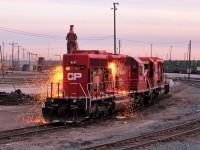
(71, 38)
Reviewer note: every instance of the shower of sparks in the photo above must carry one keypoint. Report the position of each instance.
(56, 75)
(41, 84)
(114, 68)
(120, 81)
(127, 110)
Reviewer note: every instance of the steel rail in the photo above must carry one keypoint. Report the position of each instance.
(4, 135)
(165, 139)
(191, 83)
(117, 144)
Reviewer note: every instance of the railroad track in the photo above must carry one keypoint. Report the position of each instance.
(191, 82)
(12, 135)
(8, 135)
(150, 138)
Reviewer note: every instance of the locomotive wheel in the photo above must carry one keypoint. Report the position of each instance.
(142, 99)
(95, 114)
(146, 99)
(151, 99)
(156, 95)
(139, 103)
(112, 107)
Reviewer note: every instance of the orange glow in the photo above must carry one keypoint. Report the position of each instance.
(124, 116)
(67, 68)
(56, 75)
(119, 82)
(114, 71)
(120, 117)
(113, 67)
(37, 119)
(123, 92)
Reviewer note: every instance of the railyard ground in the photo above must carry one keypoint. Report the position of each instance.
(181, 104)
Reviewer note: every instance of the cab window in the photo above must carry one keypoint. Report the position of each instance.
(141, 70)
(77, 67)
(135, 68)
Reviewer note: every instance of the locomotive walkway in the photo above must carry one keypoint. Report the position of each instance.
(150, 138)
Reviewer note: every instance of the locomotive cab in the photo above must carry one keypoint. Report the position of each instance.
(160, 63)
(75, 75)
(151, 71)
(137, 75)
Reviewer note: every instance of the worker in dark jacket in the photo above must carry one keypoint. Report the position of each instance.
(71, 38)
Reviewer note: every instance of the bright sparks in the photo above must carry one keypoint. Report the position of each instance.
(113, 67)
(56, 75)
(42, 84)
(127, 110)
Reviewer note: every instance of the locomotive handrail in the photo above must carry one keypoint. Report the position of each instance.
(89, 92)
(91, 83)
(83, 92)
(150, 88)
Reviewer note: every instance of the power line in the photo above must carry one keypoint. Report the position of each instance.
(195, 42)
(30, 33)
(150, 42)
(49, 36)
(38, 35)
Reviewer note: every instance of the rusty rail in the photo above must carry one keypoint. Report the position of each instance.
(150, 137)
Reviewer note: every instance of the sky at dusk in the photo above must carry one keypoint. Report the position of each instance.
(139, 23)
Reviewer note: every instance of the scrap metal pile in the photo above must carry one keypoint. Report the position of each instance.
(15, 98)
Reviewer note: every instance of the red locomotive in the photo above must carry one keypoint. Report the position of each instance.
(97, 83)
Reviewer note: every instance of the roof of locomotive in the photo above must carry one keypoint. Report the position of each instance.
(96, 53)
(102, 52)
(138, 60)
(89, 53)
(158, 60)
(148, 59)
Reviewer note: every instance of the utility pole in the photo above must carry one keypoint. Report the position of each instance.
(151, 49)
(48, 51)
(119, 46)
(2, 62)
(18, 66)
(36, 61)
(60, 59)
(29, 61)
(13, 45)
(189, 58)
(184, 56)
(23, 53)
(23, 56)
(3, 50)
(188, 52)
(170, 53)
(115, 26)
